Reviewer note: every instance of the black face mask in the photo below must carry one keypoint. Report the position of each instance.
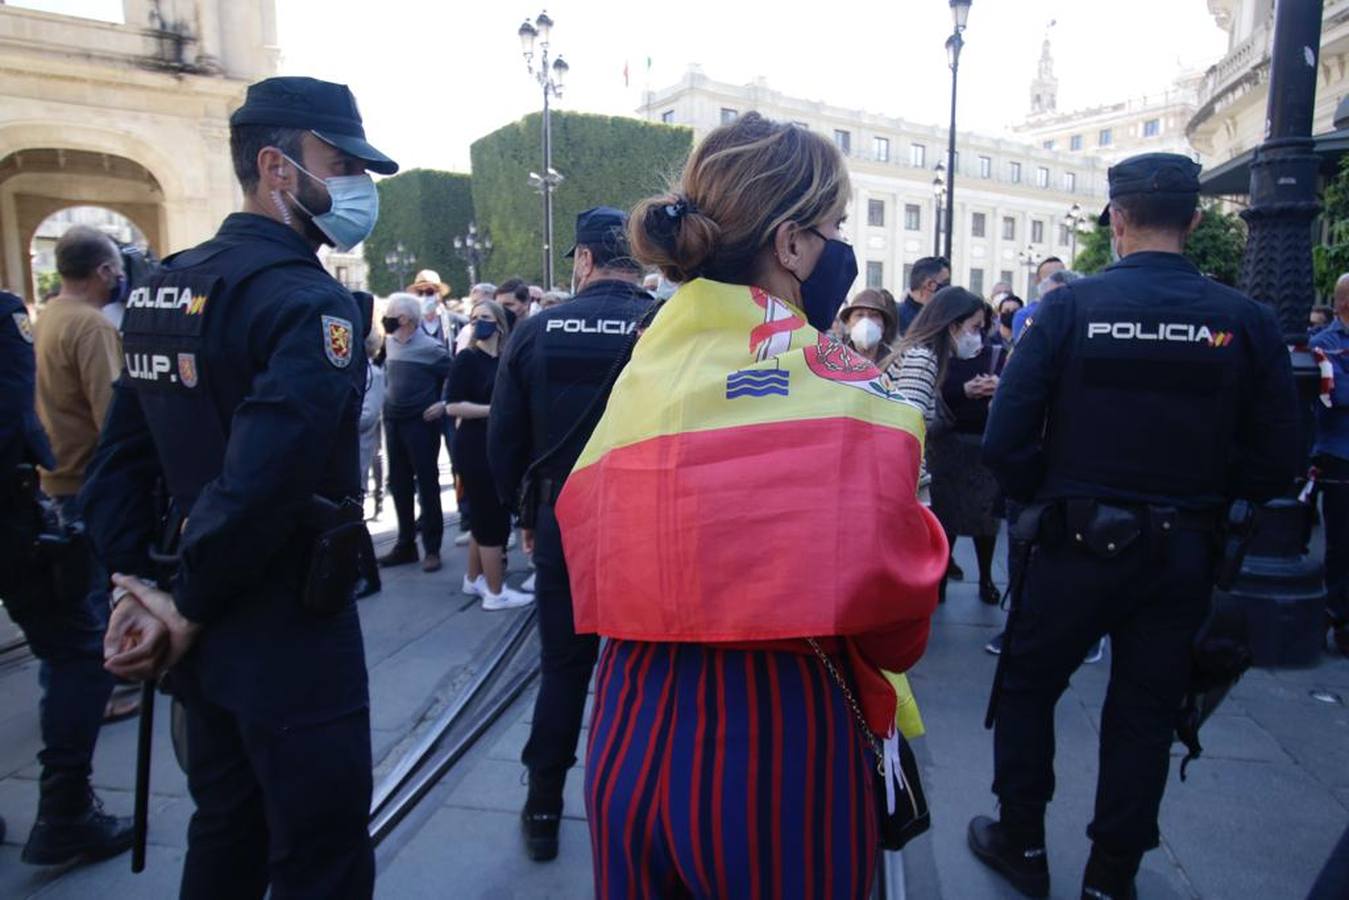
(391, 324)
(825, 289)
(483, 329)
(1007, 318)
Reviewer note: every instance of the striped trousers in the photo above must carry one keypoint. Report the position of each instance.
(726, 773)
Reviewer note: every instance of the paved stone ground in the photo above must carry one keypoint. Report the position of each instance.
(1256, 818)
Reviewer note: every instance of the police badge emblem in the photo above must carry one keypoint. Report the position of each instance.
(187, 369)
(337, 341)
(25, 326)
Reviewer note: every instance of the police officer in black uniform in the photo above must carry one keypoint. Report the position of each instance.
(63, 629)
(241, 392)
(555, 364)
(1139, 404)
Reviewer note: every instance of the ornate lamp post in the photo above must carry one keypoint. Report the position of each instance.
(1031, 260)
(550, 79)
(399, 261)
(938, 188)
(960, 14)
(473, 250)
(1075, 218)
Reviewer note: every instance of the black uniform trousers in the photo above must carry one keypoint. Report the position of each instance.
(279, 806)
(567, 659)
(1151, 600)
(1335, 516)
(414, 450)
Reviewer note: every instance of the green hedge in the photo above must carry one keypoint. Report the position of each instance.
(606, 160)
(1216, 247)
(424, 209)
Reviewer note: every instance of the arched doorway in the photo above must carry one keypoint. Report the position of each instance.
(36, 183)
(42, 248)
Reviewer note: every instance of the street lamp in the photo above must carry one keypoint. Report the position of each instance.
(550, 78)
(938, 189)
(1031, 260)
(399, 261)
(1075, 218)
(473, 250)
(960, 14)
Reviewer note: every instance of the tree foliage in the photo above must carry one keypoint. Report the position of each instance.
(423, 209)
(1331, 259)
(1216, 247)
(606, 161)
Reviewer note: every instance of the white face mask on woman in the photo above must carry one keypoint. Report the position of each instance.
(968, 345)
(865, 333)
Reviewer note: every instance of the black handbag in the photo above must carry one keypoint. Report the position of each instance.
(900, 802)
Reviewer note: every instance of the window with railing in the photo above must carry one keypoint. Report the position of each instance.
(913, 217)
(880, 149)
(985, 167)
(1042, 177)
(918, 156)
(844, 140)
(1014, 172)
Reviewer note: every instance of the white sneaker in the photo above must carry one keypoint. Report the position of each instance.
(476, 587)
(462, 539)
(528, 584)
(507, 599)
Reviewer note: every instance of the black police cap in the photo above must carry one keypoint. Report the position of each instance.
(327, 109)
(600, 226)
(1152, 173)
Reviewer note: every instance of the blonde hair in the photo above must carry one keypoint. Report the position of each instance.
(743, 181)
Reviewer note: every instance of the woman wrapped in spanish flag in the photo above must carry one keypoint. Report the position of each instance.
(749, 492)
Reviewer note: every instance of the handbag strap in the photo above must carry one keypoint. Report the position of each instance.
(848, 695)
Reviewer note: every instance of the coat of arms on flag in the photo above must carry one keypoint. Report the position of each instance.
(337, 341)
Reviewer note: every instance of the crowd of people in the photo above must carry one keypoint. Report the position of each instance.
(658, 437)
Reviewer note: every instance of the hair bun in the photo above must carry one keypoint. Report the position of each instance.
(671, 233)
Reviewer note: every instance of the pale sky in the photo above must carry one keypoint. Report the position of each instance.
(431, 77)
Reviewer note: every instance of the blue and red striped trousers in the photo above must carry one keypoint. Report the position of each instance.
(726, 773)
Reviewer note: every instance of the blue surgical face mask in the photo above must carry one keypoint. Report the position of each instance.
(354, 210)
(483, 329)
(825, 289)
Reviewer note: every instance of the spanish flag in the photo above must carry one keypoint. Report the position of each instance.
(751, 479)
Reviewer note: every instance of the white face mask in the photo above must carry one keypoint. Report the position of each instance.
(968, 345)
(429, 306)
(353, 211)
(865, 333)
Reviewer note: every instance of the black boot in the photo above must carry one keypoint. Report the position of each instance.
(1109, 877)
(400, 555)
(542, 817)
(71, 825)
(1014, 849)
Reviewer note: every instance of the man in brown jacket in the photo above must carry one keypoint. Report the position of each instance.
(78, 356)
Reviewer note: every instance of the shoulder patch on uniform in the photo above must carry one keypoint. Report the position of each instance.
(24, 324)
(187, 369)
(337, 335)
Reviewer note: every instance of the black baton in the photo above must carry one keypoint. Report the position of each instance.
(141, 817)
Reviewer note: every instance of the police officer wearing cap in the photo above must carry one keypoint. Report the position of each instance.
(241, 393)
(555, 365)
(1139, 404)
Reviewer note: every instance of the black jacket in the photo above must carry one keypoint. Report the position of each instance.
(553, 366)
(1146, 383)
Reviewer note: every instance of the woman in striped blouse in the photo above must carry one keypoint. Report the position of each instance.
(949, 325)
